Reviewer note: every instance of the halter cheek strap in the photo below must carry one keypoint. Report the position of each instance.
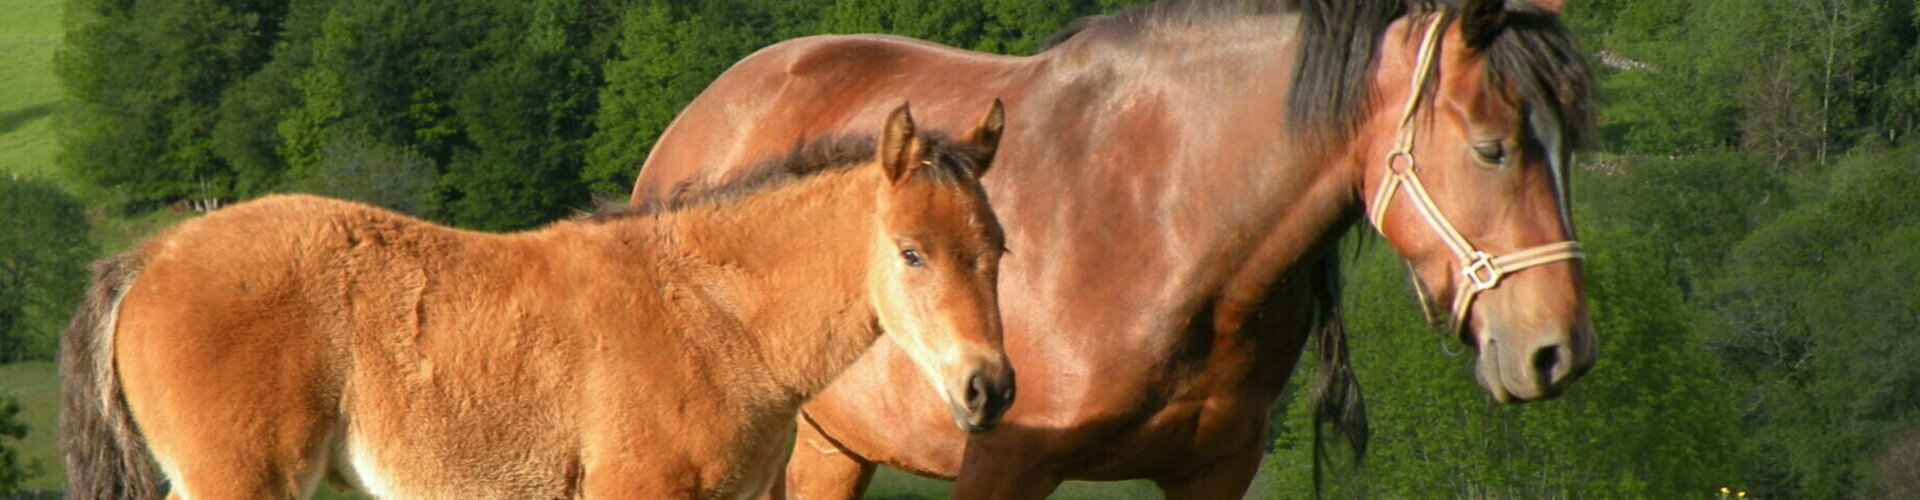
(1480, 271)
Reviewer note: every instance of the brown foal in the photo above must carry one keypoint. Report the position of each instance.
(257, 350)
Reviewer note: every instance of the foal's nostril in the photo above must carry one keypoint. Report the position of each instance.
(1549, 365)
(976, 393)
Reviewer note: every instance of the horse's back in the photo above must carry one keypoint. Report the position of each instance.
(795, 91)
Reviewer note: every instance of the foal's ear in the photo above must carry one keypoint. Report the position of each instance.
(901, 148)
(1481, 20)
(1551, 6)
(986, 137)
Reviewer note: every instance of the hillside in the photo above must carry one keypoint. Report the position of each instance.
(29, 33)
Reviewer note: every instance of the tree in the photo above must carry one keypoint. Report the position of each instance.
(525, 116)
(144, 79)
(361, 169)
(44, 249)
(1812, 318)
(667, 56)
(14, 470)
(1651, 421)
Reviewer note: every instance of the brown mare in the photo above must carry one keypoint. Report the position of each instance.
(1172, 237)
(274, 343)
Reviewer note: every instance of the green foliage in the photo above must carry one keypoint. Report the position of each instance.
(525, 116)
(1700, 205)
(1813, 317)
(1787, 79)
(1652, 420)
(43, 254)
(36, 386)
(145, 79)
(14, 470)
(667, 56)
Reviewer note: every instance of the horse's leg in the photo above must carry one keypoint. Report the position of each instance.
(1003, 474)
(821, 468)
(1227, 478)
(217, 451)
(227, 412)
(220, 458)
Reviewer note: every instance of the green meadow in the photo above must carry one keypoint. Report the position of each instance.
(29, 91)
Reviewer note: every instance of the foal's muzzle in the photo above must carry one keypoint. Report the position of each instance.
(984, 397)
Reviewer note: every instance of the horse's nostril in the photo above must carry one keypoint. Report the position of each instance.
(1546, 364)
(976, 392)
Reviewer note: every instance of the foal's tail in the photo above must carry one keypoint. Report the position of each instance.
(106, 456)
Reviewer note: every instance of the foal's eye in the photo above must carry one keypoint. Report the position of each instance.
(913, 258)
(1491, 152)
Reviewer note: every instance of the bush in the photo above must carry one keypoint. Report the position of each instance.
(43, 255)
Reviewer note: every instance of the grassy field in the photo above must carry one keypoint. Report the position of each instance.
(892, 484)
(29, 33)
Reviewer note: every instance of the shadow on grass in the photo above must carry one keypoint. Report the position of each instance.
(13, 120)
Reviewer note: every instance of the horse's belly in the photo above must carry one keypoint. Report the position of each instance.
(405, 468)
(452, 437)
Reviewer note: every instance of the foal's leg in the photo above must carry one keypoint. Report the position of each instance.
(227, 411)
(245, 447)
(821, 468)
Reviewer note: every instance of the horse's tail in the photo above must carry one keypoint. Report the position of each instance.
(106, 456)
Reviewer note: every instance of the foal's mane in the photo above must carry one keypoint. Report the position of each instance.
(950, 163)
(1534, 56)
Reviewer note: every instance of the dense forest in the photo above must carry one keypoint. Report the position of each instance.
(1753, 216)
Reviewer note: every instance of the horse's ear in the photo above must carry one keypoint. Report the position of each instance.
(901, 147)
(986, 137)
(1481, 20)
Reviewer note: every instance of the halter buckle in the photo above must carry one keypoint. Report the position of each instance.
(1481, 272)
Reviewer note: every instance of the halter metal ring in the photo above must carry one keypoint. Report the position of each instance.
(1481, 272)
(1394, 161)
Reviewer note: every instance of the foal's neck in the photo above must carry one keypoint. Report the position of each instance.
(792, 267)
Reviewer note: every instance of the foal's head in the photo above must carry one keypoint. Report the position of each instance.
(935, 264)
(1467, 179)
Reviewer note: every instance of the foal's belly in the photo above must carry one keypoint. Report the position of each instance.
(446, 439)
(420, 469)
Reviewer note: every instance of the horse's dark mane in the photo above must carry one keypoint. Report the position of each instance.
(1534, 55)
(952, 163)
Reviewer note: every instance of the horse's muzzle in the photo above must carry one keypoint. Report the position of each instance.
(985, 398)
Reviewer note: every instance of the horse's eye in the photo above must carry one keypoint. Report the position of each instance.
(913, 258)
(1490, 152)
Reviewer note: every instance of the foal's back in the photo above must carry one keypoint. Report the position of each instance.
(330, 308)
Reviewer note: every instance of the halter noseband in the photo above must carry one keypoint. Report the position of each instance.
(1481, 271)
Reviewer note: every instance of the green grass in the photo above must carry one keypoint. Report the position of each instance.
(891, 484)
(37, 385)
(29, 91)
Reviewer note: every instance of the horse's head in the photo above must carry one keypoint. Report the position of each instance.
(1468, 181)
(936, 262)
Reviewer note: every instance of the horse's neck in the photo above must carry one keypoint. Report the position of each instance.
(1197, 120)
(789, 265)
